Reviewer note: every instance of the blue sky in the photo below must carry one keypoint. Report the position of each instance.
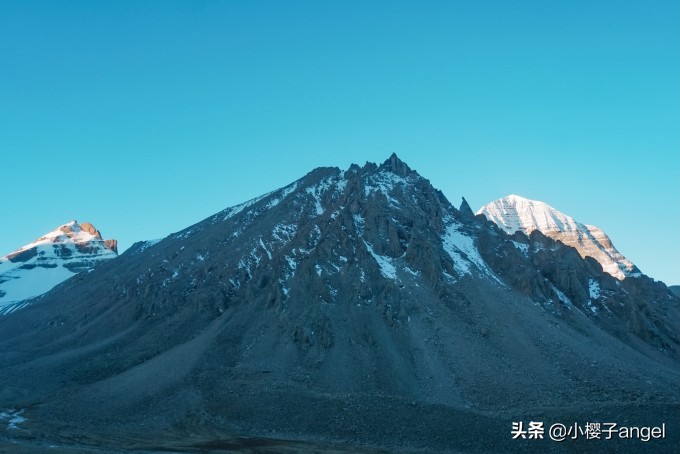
(145, 117)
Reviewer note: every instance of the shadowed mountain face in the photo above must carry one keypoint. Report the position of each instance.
(675, 289)
(356, 307)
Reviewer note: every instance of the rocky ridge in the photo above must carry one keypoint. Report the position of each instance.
(356, 307)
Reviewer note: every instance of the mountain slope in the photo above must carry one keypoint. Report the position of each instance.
(51, 259)
(356, 307)
(517, 214)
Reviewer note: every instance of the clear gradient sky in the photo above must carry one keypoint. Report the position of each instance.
(145, 117)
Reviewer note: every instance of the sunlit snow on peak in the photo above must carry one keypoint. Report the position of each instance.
(514, 213)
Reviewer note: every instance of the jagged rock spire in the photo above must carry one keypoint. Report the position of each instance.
(465, 209)
(396, 166)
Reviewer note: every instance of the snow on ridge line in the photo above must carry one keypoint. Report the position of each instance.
(148, 243)
(230, 212)
(513, 213)
(236, 209)
(76, 235)
(10, 307)
(284, 192)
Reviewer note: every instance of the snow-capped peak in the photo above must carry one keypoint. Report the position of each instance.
(71, 232)
(49, 260)
(515, 213)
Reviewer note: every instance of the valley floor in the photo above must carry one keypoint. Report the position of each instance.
(404, 427)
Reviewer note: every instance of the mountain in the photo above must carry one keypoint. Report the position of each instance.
(51, 259)
(514, 213)
(350, 310)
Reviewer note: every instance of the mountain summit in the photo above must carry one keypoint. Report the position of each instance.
(517, 214)
(51, 259)
(357, 307)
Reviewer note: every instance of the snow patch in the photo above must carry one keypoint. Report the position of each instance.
(291, 262)
(594, 292)
(284, 289)
(269, 254)
(317, 191)
(283, 193)
(236, 209)
(8, 308)
(184, 235)
(284, 233)
(387, 269)
(22, 284)
(342, 183)
(410, 271)
(358, 223)
(562, 297)
(314, 192)
(13, 418)
(147, 244)
(384, 182)
(521, 246)
(314, 236)
(593, 289)
(461, 248)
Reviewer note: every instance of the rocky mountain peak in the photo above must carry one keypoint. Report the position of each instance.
(465, 209)
(89, 228)
(54, 257)
(514, 213)
(396, 166)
